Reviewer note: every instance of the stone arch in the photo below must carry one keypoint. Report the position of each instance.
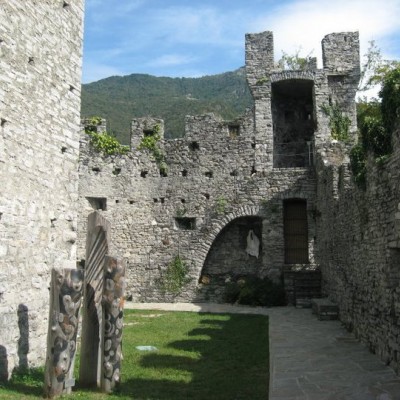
(217, 226)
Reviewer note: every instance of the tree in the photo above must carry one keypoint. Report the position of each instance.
(375, 68)
(294, 61)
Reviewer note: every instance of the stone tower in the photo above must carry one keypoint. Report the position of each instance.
(40, 60)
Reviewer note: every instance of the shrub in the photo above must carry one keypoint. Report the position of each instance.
(175, 276)
(338, 122)
(254, 291)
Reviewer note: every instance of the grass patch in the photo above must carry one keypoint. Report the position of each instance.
(198, 356)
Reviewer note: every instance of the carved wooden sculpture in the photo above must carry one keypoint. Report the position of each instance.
(102, 311)
(113, 303)
(65, 301)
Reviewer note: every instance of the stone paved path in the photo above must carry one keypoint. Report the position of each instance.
(311, 359)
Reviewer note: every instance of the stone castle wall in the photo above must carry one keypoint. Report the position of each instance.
(40, 62)
(359, 250)
(235, 164)
(210, 183)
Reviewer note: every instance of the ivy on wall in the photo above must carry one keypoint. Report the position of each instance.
(103, 142)
(175, 276)
(339, 123)
(151, 143)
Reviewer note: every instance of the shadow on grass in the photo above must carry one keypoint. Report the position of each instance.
(228, 360)
(232, 363)
(26, 382)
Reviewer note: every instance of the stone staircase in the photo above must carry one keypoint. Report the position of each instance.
(302, 284)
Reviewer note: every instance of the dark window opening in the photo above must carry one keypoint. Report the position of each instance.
(253, 170)
(3, 122)
(116, 201)
(185, 223)
(63, 149)
(233, 131)
(293, 121)
(162, 199)
(96, 169)
(31, 61)
(143, 174)
(80, 264)
(184, 172)
(295, 229)
(148, 132)
(234, 173)
(183, 201)
(163, 172)
(155, 200)
(207, 196)
(131, 202)
(116, 171)
(65, 5)
(209, 174)
(194, 146)
(97, 203)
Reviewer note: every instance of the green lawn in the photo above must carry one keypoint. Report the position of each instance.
(198, 356)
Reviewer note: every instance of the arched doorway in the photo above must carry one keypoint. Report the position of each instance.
(235, 252)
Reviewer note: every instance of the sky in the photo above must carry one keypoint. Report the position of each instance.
(193, 38)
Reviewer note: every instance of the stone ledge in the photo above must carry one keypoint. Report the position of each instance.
(325, 309)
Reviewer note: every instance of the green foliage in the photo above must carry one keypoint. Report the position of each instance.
(262, 80)
(358, 164)
(367, 108)
(221, 205)
(374, 137)
(390, 95)
(151, 143)
(254, 291)
(120, 99)
(377, 122)
(94, 120)
(293, 61)
(375, 69)
(175, 276)
(106, 143)
(180, 212)
(338, 122)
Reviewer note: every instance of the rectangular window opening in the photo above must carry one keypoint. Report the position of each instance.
(185, 223)
(97, 203)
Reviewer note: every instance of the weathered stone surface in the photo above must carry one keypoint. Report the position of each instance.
(40, 63)
(222, 180)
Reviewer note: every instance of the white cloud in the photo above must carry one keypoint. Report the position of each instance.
(303, 24)
(200, 25)
(169, 60)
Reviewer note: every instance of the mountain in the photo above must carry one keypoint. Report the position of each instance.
(119, 99)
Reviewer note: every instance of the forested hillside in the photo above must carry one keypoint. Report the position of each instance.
(120, 99)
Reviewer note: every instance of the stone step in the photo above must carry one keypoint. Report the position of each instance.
(325, 309)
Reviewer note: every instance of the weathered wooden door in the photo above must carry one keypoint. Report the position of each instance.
(295, 231)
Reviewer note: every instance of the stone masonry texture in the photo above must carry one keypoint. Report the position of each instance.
(40, 63)
(223, 178)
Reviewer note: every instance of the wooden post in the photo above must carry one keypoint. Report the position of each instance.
(65, 301)
(113, 304)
